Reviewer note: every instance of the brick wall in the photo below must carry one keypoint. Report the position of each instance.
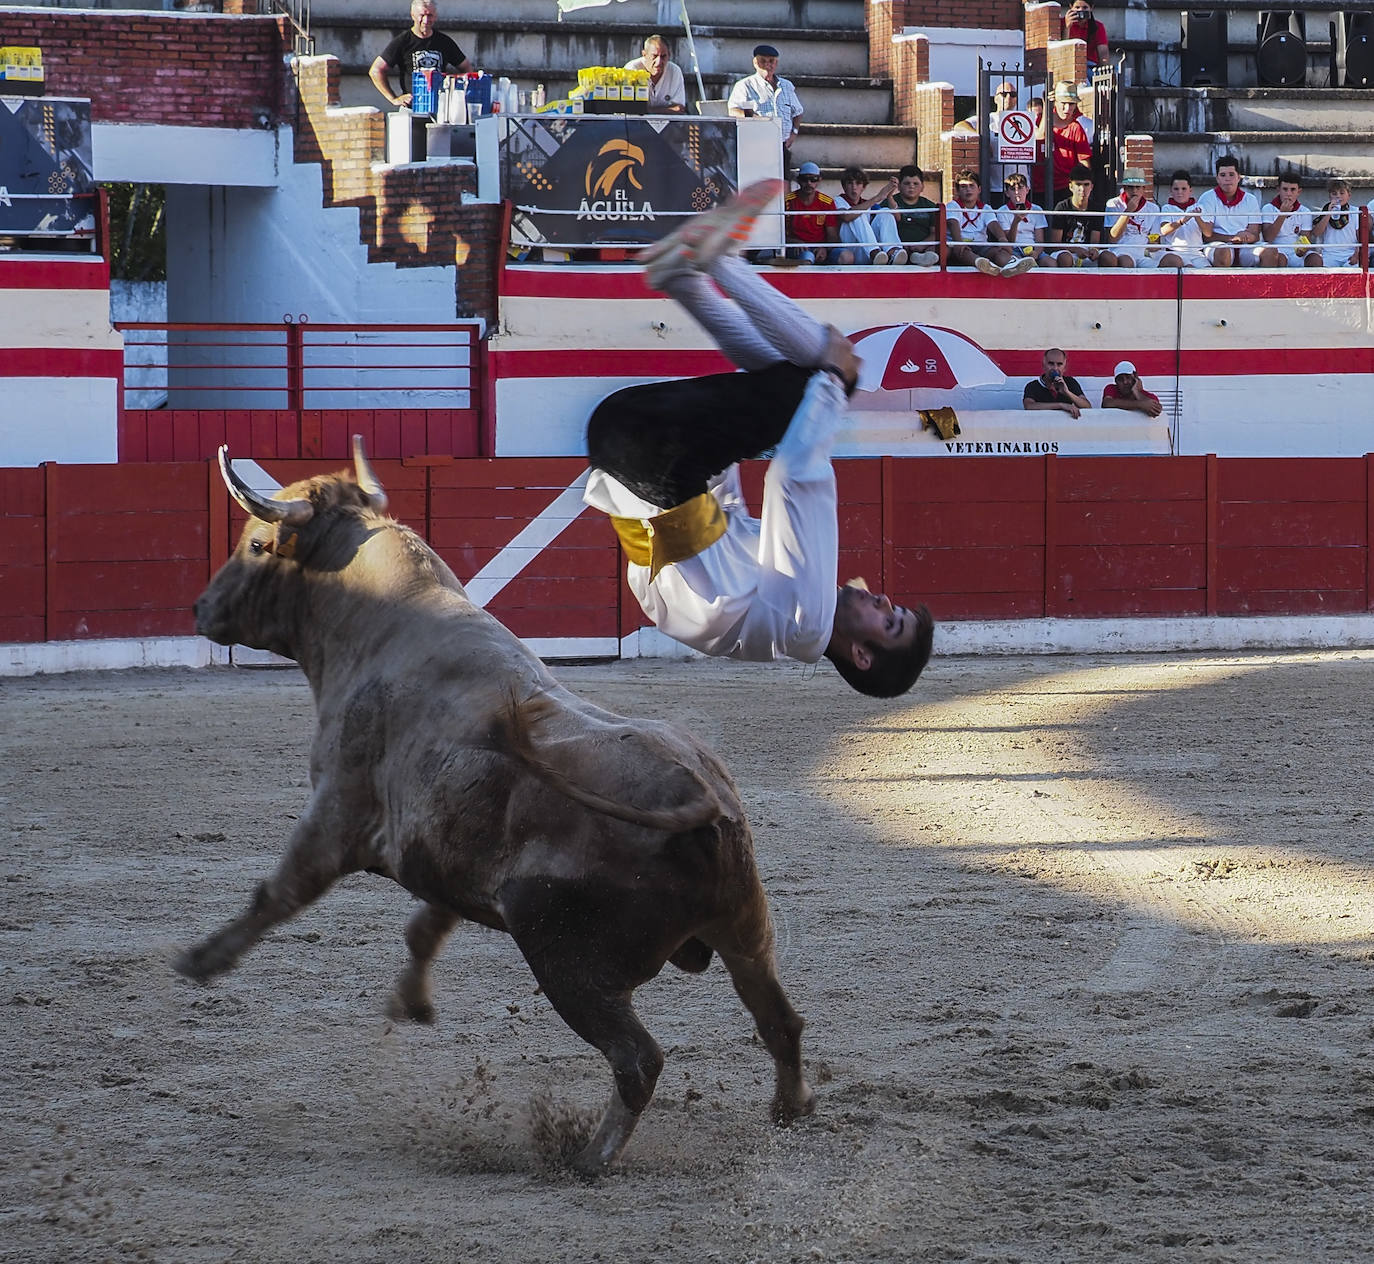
(996, 15)
(910, 70)
(883, 18)
(412, 216)
(1138, 153)
(1067, 61)
(960, 153)
(1042, 25)
(197, 69)
(933, 108)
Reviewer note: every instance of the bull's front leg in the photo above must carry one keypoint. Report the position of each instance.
(314, 861)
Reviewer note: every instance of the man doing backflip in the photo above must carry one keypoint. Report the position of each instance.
(664, 457)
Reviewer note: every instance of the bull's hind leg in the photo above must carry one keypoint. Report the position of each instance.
(425, 935)
(747, 952)
(309, 868)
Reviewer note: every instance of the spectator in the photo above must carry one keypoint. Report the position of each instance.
(976, 239)
(1130, 219)
(765, 94)
(1023, 223)
(866, 224)
(1071, 145)
(1079, 23)
(1230, 219)
(918, 218)
(1125, 390)
(1338, 226)
(1287, 223)
(818, 228)
(422, 47)
(1004, 98)
(1077, 228)
(1053, 390)
(1180, 231)
(667, 92)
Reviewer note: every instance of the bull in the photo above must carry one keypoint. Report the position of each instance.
(448, 758)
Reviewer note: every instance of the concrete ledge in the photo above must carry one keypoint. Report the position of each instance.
(1011, 636)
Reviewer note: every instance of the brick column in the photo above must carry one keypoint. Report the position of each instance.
(1067, 61)
(1042, 25)
(933, 116)
(1138, 153)
(910, 69)
(960, 153)
(884, 19)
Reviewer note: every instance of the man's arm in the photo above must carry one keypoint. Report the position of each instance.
(379, 72)
(741, 104)
(1251, 233)
(1272, 226)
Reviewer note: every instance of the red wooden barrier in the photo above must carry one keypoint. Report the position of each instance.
(123, 550)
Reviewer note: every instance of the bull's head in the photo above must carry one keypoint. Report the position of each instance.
(249, 600)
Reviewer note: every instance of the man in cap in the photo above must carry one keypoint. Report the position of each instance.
(1131, 218)
(765, 94)
(664, 454)
(813, 221)
(1126, 391)
(1071, 144)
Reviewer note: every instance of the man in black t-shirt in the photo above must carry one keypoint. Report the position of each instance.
(420, 48)
(1077, 227)
(1054, 389)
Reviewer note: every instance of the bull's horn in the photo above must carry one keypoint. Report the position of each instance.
(294, 513)
(367, 480)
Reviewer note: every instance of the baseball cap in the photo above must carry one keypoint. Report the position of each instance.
(808, 169)
(766, 50)
(1124, 367)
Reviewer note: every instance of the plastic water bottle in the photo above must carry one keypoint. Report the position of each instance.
(537, 97)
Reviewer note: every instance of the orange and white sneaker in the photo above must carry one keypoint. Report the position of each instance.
(728, 225)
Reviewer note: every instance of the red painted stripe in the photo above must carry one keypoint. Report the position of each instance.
(1151, 365)
(61, 362)
(54, 274)
(1071, 285)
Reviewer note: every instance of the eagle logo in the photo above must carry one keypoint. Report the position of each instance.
(616, 158)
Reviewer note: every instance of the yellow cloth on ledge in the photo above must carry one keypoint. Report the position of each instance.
(943, 421)
(672, 536)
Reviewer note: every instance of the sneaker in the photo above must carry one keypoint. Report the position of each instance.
(986, 266)
(727, 226)
(672, 255)
(1018, 266)
(880, 258)
(899, 257)
(925, 258)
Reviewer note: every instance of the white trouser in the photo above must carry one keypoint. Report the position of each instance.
(876, 230)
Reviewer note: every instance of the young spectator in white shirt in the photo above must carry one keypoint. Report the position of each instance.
(1338, 227)
(866, 226)
(975, 237)
(1130, 219)
(1230, 219)
(1180, 231)
(1023, 223)
(1286, 220)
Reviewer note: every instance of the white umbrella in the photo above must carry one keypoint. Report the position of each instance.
(664, 9)
(929, 357)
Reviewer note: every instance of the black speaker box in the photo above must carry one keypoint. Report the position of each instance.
(1281, 55)
(1352, 50)
(1204, 48)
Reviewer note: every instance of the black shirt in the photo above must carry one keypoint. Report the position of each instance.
(408, 53)
(1076, 227)
(1038, 393)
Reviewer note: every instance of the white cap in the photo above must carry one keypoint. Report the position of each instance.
(1124, 367)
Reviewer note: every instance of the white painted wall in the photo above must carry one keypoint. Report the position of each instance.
(954, 53)
(68, 419)
(146, 153)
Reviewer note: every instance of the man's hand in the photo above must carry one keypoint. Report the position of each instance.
(1071, 408)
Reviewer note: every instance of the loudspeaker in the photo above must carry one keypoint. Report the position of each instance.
(1204, 48)
(1281, 55)
(1352, 50)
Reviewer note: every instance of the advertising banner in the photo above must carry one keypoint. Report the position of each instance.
(45, 161)
(611, 180)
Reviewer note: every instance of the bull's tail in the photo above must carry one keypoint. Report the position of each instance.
(514, 737)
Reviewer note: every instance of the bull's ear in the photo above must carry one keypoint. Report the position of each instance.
(294, 513)
(366, 479)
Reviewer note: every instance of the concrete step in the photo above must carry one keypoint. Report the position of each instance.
(643, 15)
(538, 50)
(1315, 156)
(833, 146)
(1334, 110)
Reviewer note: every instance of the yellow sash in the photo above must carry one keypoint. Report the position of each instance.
(672, 536)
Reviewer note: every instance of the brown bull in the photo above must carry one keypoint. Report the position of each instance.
(450, 760)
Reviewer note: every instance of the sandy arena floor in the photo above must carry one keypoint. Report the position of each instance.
(1085, 946)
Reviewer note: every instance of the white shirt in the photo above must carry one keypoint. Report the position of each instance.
(1228, 220)
(1138, 228)
(1022, 232)
(1188, 235)
(780, 102)
(972, 221)
(1296, 221)
(670, 88)
(766, 589)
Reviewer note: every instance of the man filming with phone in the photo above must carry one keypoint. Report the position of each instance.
(1054, 389)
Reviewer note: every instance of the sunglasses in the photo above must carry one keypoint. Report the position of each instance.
(808, 179)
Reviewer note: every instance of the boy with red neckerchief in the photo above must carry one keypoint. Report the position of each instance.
(1180, 231)
(976, 239)
(1130, 220)
(1230, 219)
(1338, 226)
(1023, 222)
(1286, 220)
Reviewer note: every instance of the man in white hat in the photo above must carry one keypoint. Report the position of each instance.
(1126, 391)
(1072, 146)
(1131, 218)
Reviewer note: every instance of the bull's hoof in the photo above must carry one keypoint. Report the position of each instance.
(195, 964)
(788, 1110)
(401, 1010)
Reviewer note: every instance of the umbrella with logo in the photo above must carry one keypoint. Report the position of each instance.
(921, 357)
